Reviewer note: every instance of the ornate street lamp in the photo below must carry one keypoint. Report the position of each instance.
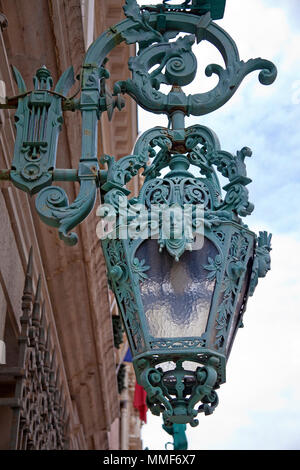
(180, 260)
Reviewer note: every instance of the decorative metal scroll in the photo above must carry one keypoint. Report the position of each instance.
(162, 387)
(162, 59)
(39, 407)
(200, 149)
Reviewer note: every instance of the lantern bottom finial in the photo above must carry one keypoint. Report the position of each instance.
(176, 392)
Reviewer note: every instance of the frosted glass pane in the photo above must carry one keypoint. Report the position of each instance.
(176, 295)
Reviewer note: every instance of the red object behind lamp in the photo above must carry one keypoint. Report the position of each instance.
(139, 401)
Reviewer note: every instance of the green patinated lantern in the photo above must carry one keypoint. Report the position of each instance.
(182, 297)
(180, 259)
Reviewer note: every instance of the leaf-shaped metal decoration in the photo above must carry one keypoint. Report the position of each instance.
(132, 10)
(145, 34)
(214, 267)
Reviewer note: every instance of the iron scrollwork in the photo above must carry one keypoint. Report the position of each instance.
(180, 63)
(54, 209)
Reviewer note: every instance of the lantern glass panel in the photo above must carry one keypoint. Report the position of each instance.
(177, 294)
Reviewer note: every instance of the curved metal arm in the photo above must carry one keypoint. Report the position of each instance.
(54, 209)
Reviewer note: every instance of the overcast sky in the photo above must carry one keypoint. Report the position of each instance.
(259, 405)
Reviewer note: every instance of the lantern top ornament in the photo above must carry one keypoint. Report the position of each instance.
(196, 7)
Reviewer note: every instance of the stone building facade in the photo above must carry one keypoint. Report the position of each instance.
(59, 370)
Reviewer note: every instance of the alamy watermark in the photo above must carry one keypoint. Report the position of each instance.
(164, 222)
